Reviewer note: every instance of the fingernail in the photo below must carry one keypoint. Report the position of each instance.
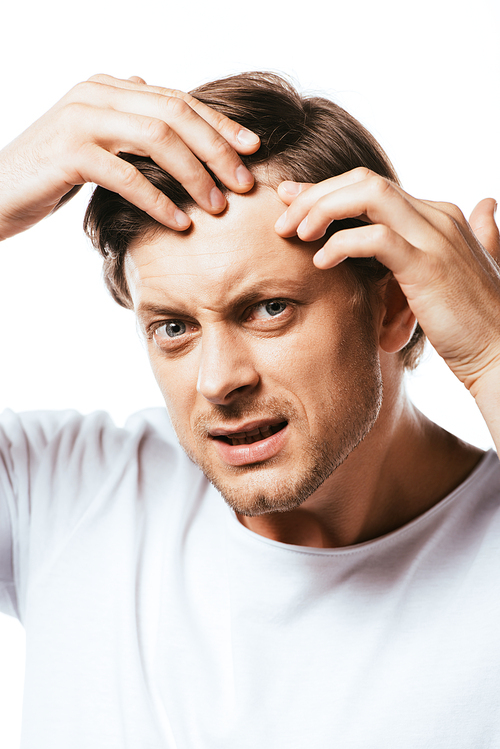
(319, 258)
(292, 188)
(321, 261)
(217, 199)
(302, 227)
(247, 138)
(244, 176)
(182, 220)
(280, 223)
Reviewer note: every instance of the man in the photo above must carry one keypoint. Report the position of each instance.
(344, 592)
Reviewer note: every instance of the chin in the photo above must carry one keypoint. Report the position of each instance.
(273, 486)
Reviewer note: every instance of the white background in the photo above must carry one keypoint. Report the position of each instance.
(423, 77)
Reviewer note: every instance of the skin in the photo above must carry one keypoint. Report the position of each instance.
(431, 250)
(388, 463)
(319, 364)
(78, 139)
(447, 268)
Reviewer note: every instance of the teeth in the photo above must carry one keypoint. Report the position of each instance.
(243, 435)
(247, 438)
(253, 433)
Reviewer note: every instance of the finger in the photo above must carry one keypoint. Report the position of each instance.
(123, 178)
(288, 222)
(483, 224)
(240, 138)
(288, 190)
(375, 199)
(137, 79)
(312, 212)
(201, 138)
(146, 136)
(375, 240)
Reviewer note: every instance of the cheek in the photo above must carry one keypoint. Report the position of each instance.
(331, 359)
(307, 365)
(177, 381)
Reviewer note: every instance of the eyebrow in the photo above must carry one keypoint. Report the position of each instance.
(266, 289)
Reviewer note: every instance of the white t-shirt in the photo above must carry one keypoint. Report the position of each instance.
(154, 619)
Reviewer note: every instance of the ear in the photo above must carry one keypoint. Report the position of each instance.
(397, 320)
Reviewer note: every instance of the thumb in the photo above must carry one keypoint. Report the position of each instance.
(482, 222)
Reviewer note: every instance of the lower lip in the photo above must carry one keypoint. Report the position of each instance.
(257, 452)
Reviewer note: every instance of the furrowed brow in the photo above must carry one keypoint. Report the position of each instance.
(273, 288)
(149, 309)
(266, 289)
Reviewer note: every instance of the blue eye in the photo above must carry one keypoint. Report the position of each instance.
(173, 329)
(272, 308)
(275, 307)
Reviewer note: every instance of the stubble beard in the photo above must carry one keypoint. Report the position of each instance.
(285, 490)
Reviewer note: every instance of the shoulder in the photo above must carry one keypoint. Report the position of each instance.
(59, 443)
(40, 428)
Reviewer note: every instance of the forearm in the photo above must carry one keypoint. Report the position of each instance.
(487, 396)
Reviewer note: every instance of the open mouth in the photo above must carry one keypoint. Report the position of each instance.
(255, 435)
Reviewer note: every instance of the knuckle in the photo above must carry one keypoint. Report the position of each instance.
(361, 173)
(176, 107)
(155, 131)
(199, 184)
(221, 150)
(73, 113)
(99, 78)
(159, 203)
(167, 92)
(320, 210)
(189, 99)
(83, 91)
(450, 221)
(454, 211)
(380, 234)
(185, 97)
(129, 176)
(223, 124)
(379, 186)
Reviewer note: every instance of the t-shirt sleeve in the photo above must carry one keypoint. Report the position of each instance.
(51, 465)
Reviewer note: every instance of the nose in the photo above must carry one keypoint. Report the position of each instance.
(226, 367)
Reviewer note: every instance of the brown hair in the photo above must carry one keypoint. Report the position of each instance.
(303, 139)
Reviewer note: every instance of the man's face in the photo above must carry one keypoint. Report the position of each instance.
(270, 375)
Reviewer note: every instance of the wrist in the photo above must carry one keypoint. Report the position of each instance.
(486, 392)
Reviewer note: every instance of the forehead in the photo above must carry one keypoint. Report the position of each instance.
(220, 256)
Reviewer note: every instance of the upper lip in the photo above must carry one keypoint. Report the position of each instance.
(248, 426)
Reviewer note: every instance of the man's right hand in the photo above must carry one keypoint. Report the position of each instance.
(77, 141)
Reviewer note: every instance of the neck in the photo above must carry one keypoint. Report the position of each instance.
(402, 468)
